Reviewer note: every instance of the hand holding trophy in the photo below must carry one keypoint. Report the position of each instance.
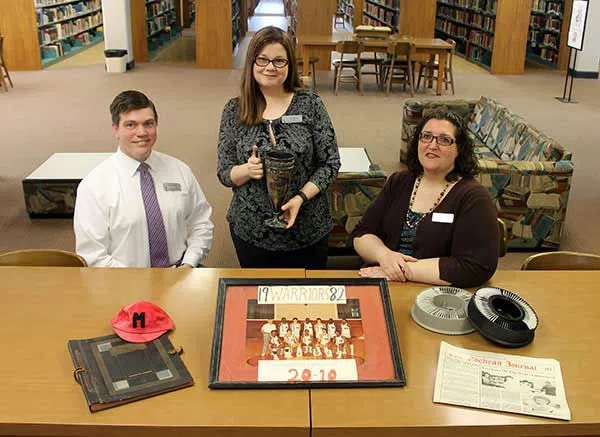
(279, 170)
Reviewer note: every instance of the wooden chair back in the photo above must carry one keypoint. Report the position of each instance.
(562, 260)
(42, 258)
(349, 47)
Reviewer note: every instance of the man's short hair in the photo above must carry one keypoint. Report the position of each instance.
(130, 100)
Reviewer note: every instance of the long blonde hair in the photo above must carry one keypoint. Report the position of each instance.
(252, 101)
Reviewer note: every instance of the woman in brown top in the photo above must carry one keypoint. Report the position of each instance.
(433, 223)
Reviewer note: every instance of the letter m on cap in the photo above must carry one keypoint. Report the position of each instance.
(139, 317)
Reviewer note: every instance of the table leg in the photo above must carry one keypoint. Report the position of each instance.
(305, 64)
(441, 72)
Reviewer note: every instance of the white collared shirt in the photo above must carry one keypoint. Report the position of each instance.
(110, 220)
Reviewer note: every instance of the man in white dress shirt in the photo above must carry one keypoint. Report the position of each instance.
(124, 218)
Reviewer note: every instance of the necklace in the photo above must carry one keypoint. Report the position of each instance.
(413, 220)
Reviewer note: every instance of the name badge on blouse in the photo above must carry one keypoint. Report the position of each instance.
(172, 186)
(442, 217)
(289, 119)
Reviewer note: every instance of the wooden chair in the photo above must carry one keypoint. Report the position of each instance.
(562, 260)
(374, 56)
(502, 235)
(430, 70)
(42, 258)
(400, 67)
(312, 62)
(3, 69)
(352, 51)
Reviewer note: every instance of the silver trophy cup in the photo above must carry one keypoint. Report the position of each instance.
(279, 170)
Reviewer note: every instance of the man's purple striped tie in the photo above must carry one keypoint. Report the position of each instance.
(157, 236)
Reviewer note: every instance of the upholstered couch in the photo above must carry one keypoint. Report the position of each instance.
(527, 173)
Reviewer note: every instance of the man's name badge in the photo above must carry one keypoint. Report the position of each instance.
(172, 186)
(289, 119)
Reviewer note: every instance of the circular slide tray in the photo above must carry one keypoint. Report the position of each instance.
(443, 310)
(502, 317)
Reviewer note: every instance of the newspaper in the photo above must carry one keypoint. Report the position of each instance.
(500, 382)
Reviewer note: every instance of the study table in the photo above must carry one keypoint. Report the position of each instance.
(566, 304)
(423, 46)
(42, 308)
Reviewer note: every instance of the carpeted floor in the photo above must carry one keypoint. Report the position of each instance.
(66, 110)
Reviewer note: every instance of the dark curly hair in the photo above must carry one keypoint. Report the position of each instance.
(465, 164)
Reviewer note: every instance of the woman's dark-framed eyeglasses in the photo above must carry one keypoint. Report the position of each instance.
(442, 140)
(263, 61)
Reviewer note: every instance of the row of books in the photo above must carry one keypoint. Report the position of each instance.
(381, 13)
(488, 6)
(63, 47)
(46, 3)
(47, 16)
(63, 30)
(541, 22)
(468, 18)
(450, 28)
(482, 39)
(154, 9)
(548, 6)
(161, 22)
(546, 40)
(389, 3)
(236, 23)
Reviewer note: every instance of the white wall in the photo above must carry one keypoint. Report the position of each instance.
(117, 26)
(589, 58)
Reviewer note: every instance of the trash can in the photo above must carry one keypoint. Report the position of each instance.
(116, 60)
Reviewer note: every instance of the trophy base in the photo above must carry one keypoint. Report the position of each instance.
(275, 223)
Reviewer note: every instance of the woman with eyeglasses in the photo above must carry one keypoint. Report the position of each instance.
(274, 112)
(433, 223)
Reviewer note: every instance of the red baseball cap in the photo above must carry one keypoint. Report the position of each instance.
(141, 321)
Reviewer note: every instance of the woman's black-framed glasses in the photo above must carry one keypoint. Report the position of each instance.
(442, 140)
(263, 61)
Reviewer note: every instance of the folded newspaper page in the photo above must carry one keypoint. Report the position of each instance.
(500, 382)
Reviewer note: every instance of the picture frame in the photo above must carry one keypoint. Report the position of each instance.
(266, 334)
(577, 24)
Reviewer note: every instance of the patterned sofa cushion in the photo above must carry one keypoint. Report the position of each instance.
(483, 117)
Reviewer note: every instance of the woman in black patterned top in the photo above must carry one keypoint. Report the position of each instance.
(275, 112)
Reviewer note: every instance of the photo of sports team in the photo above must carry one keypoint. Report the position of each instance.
(307, 338)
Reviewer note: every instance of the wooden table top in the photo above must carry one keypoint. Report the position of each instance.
(329, 40)
(566, 304)
(42, 308)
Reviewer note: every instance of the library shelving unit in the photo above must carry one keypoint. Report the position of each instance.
(546, 26)
(67, 27)
(315, 17)
(382, 13)
(236, 23)
(38, 33)
(219, 30)
(291, 11)
(186, 12)
(153, 26)
(490, 33)
(347, 7)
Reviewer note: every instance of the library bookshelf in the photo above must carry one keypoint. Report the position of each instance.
(382, 13)
(38, 33)
(219, 31)
(186, 12)
(490, 33)
(315, 18)
(548, 27)
(154, 24)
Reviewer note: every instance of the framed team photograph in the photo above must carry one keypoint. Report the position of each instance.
(299, 333)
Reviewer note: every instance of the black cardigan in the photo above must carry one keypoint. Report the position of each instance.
(467, 247)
